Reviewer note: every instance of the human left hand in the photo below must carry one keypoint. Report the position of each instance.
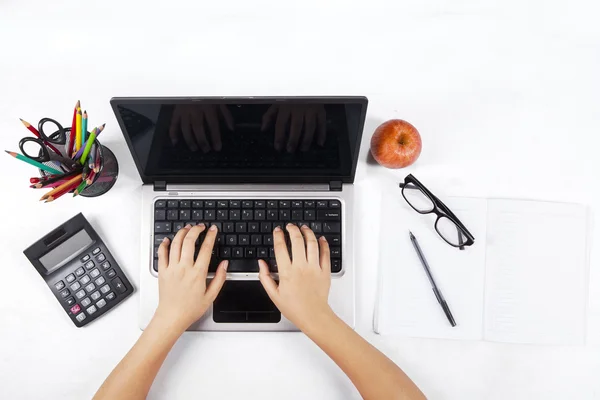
(183, 294)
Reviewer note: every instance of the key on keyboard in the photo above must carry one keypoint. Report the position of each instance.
(246, 227)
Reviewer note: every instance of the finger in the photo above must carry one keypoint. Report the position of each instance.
(282, 117)
(267, 118)
(227, 117)
(324, 257)
(189, 244)
(295, 130)
(174, 128)
(163, 255)
(186, 130)
(310, 124)
(207, 247)
(321, 127)
(175, 251)
(281, 252)
(199, 133)
(218, 281)
(213, 127)
(312, 246)
(267, 281)
(298, 251)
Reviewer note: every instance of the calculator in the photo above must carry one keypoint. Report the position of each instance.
(79, 270)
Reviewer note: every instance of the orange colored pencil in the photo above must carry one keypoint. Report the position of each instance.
(69, 184)
(57, 195)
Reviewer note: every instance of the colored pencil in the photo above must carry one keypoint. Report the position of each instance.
(33, 162)
(37, 134)
(98, 163)
(49, 185)
(73, 129)
(80, 188)
(74, 181)
(88, 145)
(90, 141)
(78, 130)
(55, 178)
(91, 177)
(84, 120)
(37, 179)
(58, 194)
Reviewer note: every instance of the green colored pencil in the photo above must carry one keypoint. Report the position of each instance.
(80, 188)
(89, 142)
(34, 163)
(84, 126)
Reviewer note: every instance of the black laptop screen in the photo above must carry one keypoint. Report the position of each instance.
(243, 139)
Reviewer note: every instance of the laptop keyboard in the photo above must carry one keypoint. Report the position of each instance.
(246, 227)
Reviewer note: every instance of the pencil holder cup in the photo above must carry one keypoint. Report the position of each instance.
(106, 164)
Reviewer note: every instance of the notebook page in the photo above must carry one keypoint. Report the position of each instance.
(406, 304)
(536, 272)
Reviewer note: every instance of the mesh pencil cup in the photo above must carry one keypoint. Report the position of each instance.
(107, 165)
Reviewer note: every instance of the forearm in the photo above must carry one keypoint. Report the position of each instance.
(374, 375)
(133, 376)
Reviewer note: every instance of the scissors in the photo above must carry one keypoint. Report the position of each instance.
(48, 152)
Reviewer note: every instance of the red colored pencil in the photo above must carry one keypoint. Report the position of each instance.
(73, 128)
(49, 185)
(60, 193)
(37, 134)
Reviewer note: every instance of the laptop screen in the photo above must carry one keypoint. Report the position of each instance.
(278, 140)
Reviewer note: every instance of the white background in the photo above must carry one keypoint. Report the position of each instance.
(506, 97)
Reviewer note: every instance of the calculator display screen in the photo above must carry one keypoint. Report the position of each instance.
(66, 251)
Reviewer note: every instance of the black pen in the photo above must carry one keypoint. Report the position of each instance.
(436, 291)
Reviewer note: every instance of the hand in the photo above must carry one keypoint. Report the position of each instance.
(311, 117)
(304, 283)
(190, 121)
(183, 295)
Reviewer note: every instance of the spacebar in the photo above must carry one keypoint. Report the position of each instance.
(237, 265)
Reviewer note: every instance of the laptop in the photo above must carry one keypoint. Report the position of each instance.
(245, 164)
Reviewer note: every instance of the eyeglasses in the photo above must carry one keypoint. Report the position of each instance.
(447, 225)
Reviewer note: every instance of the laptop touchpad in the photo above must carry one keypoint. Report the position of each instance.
(246, 302)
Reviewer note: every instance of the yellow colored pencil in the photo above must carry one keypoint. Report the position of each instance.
(78, 130)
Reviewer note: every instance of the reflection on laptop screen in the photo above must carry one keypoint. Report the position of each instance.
(250, 137)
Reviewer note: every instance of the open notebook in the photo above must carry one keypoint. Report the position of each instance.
(525, 280)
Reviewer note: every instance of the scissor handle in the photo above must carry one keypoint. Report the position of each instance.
(42, 156)
(57, 137)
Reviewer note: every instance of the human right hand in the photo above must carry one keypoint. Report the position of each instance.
(190, 121)
(304, 280)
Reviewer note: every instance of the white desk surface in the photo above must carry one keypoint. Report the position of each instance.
(505, 95)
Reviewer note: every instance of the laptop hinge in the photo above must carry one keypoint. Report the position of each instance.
(160, 186)
(335, 186)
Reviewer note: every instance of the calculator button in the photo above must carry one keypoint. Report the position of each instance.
(91, 309)
(76, 286)
(96, 251)
(79, 271)
(105, 265)
(70, 301)
(75, 309)
(96, 295)
(95, 273)
(118, 284)
(85, 280)
(85, 258)
(80, 317)
(80, 294)
(110, 296)
(90, 287)
(101, 303)
(86, 302)
(105, 289)
(89, 265)
(111, 274)
(70, 278)
(100, 281)
(101, 257)
(65, 293)
(60, 285)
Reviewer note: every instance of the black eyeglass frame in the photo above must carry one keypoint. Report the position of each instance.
(439, 209)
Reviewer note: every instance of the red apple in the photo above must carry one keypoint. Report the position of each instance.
(396, 144)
